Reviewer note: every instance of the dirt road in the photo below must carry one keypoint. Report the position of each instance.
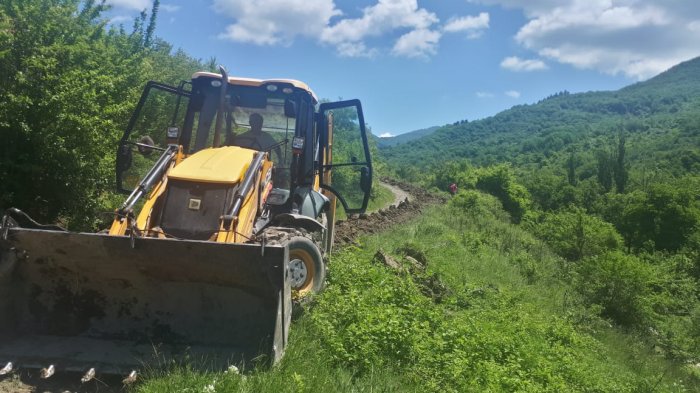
(400, 194)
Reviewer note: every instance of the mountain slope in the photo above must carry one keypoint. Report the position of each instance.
(531, 134)
(406, 137)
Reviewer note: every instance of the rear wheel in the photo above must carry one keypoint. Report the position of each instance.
(306, 267)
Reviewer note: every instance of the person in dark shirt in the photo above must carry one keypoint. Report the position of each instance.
(256, 138)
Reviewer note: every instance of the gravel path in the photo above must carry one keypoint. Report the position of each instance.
(400, 195)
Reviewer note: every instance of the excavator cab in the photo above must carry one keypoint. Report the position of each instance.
(226, 219)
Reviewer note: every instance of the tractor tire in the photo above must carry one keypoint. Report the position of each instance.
(306, 266)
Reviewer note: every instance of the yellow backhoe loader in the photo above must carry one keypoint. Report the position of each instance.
(229, 214)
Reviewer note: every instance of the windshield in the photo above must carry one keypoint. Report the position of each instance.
(253, 118)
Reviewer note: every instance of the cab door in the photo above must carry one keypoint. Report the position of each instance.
(345, 163)
(154, 125)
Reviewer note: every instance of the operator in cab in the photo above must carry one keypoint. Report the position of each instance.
(256, 138)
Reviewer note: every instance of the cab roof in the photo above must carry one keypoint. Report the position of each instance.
(258, 82)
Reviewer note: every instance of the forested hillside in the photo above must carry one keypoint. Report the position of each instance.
(662, 110)
(409, 136)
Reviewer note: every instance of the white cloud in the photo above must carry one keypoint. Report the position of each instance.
(131, 4)
(269, 22)
(355, 49)
(694, 25)
(384, 17)
(417, 43)
(473, 25)
(484, 94)
(515, 63)
(386, 135)
(513, 93)
(170, 7)
(637, 38)
(416, 30)
(279, 22)
(529, 6)
(115, 20)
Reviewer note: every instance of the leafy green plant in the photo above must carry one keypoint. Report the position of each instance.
(69, 84)
(574, 234)
(620, 284)
(499, 181)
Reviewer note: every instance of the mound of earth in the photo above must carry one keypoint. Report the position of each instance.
(346, 231)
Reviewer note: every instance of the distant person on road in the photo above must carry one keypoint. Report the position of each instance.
(453, 188)
(256, 138)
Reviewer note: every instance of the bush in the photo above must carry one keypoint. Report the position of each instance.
(477, 204)
(458, 172)
(499, 181)
(620, 284)
(574, 235)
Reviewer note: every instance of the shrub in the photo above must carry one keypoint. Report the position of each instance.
(620, 284)
(574, 234)
(499, 181)
(458, 172)
(477, 204)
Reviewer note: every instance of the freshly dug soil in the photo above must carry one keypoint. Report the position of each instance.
(347, 231)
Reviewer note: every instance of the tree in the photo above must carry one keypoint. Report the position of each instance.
(663, 218)
(575, 235)
(151, 28)
(619, 169)
(460, 172)
(499, 181)
(605, 170)
(571, 169)
(67, 87)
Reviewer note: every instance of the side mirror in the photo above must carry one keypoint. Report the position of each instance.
(290, 108)
(124, 158)
(365, 179)
(144, 145)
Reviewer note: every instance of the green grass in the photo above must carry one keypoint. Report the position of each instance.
(504, 319)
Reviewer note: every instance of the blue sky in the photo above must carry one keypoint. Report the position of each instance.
(416, 64)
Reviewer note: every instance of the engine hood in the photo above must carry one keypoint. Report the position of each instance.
(215, 165)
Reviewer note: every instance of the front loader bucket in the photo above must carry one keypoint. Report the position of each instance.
(78, 301)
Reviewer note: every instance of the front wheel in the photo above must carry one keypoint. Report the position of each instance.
(306, 267)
